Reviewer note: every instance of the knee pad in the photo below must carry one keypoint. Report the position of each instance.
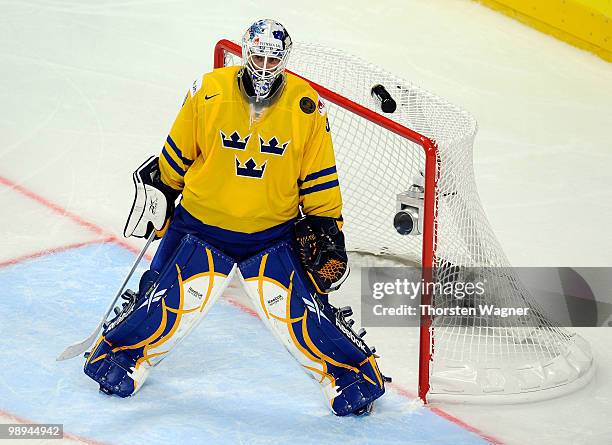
(315, 333)
(152, 323)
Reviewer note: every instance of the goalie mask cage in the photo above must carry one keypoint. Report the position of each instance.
(475, 359)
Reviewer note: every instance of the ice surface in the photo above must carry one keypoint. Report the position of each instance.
(89, 89)
(229, 382)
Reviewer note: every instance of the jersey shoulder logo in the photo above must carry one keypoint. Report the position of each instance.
(234, 141)
(307, 105)
(197, 84)
(272, 146)
(207, 97)
(321, 107)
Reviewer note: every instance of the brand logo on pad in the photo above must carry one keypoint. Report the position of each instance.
(351, 336)
(194, 292)
(272, 146)
(153, 296)
(273, 301)
(314, 307)
(234, 141)
(250, 169)
(153, 206)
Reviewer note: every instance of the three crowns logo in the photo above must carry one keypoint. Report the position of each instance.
(234, 141)
(272, 146)
(250, 169)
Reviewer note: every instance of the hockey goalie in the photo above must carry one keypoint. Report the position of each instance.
(250, 153)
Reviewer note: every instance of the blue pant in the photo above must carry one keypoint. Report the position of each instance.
(238, 245)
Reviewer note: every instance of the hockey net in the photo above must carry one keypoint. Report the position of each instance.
(481, 359)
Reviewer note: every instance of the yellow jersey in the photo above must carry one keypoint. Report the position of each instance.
(248, 175)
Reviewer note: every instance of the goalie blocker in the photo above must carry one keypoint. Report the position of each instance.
(317, 334)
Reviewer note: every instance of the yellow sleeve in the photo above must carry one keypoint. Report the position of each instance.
(180, 148)
(319, 186)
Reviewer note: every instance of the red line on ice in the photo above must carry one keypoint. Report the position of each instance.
(242, 307)
(52, 206)
(92, 227)
(31, 256)
(113, 238)
(439, 411)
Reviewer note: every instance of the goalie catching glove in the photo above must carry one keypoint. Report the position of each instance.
(322, 252)
(153, 202)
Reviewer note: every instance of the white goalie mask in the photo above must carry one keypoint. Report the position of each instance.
(265, 50)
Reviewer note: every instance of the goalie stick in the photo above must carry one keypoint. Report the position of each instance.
(82, 346)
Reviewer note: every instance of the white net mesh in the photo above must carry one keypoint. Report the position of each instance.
(472, 356)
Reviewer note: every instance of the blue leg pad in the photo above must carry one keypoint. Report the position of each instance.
(315, 333)
(151, 324)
